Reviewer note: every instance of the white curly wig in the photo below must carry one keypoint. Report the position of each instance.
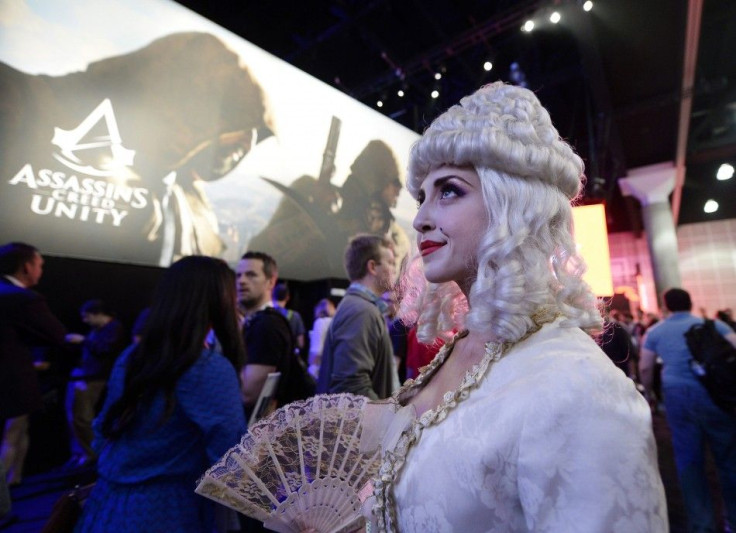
(527, 257)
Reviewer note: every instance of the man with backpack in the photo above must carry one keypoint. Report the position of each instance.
(268, 340)
(266, 332)
(692, 415)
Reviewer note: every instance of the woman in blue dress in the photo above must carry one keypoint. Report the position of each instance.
(173, 407)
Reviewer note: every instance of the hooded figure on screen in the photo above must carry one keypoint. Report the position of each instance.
(120, 152)
(310, 228)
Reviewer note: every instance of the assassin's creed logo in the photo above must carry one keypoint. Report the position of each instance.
(94, 148)
(82, 140)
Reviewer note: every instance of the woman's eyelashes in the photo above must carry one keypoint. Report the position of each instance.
(420, 199)
(443, 190)
(450, 190)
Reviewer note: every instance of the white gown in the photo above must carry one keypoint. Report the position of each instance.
(554, 439)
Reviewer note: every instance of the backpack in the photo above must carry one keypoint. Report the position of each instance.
(299, 383)
(713, 363)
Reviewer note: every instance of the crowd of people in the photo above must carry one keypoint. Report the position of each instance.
(693, 417)
(510, 416)
(653, 352)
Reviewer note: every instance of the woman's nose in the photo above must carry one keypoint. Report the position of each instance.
(423, 219)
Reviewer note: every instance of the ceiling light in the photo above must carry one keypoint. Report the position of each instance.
(379, 103)
(711, 206)
(437, 76)
(555, 17)
(587, 6)
(528, 26)
(400, 93)
(725, 172)
(435, 93)
(487, 66)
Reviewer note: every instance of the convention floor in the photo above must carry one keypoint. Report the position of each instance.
(34, 499)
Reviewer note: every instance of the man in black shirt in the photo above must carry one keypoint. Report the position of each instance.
(266, 332)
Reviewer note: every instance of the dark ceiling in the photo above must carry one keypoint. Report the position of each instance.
(612, 77)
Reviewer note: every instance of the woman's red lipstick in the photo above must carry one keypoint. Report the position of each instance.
(427, 247)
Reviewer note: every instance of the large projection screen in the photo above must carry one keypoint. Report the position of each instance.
(140, 132)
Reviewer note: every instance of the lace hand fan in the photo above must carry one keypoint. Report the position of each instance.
(300, 469)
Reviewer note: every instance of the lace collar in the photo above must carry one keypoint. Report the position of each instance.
(394, 457)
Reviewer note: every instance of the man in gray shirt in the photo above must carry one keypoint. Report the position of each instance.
(357, 355)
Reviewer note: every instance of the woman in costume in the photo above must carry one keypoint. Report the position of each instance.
(173, 407)
(521, 423)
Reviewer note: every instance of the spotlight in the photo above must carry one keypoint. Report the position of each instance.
(400, 92)
(528, 26)
(555, 17)
(379, 103)
(437, 76)
(487, 66)
(588, 5)
(711, 206)
(725, 172)
(435, 93)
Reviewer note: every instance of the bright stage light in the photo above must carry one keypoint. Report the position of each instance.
(711, 206)
(725, 172)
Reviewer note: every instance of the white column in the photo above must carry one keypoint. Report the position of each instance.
(652, 185)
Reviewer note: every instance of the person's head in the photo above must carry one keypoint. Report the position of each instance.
(450, 223)
(22, 261)
(95, 313)
(256, 276)
(495, 182)
(281, 293)
(324, 308)
(376, 172)
(369, 259)
(677, 300)
(195, 295)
